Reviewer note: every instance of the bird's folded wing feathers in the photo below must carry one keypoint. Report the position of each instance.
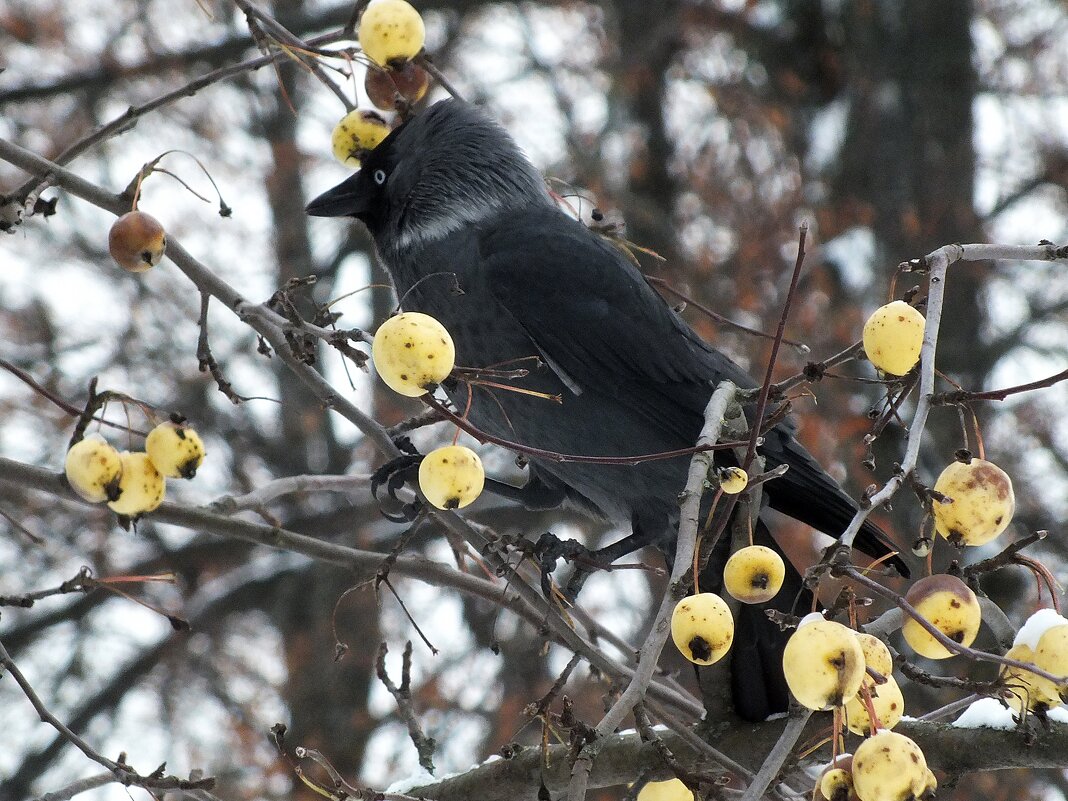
(604, 329)
(594, 317)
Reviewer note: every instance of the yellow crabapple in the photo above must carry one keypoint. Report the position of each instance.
(391, 31)
(950, 606)
(893, 336)
(733, 480)
(1051, 654)
(889, 767)
(412, 353)
(93, 469)
(876, 656)
(982, 502)
(823, 664)
(671, 790)
(356, 134)
(141, 488)
(836, 784)
(886, 699)
(1023, 688)
(451, 477)
(754, 574)
(702, 628)
(175, 449)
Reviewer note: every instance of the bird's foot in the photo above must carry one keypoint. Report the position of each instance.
(391, 477)
(550, 549)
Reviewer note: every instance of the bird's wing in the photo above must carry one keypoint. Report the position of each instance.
(599, 325)
(602, 328)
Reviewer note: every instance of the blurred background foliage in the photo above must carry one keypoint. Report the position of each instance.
(712, 129)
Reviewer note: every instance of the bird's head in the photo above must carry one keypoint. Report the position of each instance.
(446, 168)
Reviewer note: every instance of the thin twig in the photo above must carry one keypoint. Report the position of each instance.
(20, 528)
(541, 706)
(285, 36)
(688, 777)
(81, 582)
(122, 772)
(129, 118)
(780, 332)
(719, 318)
(950, 708)
(814, 371)
(760, 425)
(403, 696)
(966, 396)
(206, 361)
(690, 737)
(46, 393)
(689, 517)
(554, 456)
(427, 417)
(423, 60)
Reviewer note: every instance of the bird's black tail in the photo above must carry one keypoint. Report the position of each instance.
(806, 493)
(758, 686)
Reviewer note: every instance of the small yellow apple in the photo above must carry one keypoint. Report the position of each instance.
(754, 574)
(823, 664)
(451, 477)
(893, 337)
(889, 767)
(702, 628)
(981, 502)
(93, 469)
(391, 31)
(356, 135)
(175, 449)
(141, 488)
(412, 353)
(950, 606)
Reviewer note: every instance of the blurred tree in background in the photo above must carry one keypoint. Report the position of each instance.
(712, 129)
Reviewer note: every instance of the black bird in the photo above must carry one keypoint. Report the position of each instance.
(451, 200)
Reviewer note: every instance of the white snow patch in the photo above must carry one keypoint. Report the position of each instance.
(423, 777)
(986, 713)
(811, 617)
(1038, 624)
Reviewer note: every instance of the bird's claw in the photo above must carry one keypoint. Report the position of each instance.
(550, 549)
(393, 475)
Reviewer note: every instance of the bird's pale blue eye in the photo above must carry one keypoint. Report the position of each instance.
(380, 177)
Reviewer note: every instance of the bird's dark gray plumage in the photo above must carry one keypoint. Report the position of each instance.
(450, 199)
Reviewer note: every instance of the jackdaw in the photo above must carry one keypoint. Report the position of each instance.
(450, 200)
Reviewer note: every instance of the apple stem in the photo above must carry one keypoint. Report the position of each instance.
(865, 696)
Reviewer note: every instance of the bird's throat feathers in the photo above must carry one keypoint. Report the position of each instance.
(455, 167)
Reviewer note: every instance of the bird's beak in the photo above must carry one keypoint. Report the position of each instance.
(347, 199)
